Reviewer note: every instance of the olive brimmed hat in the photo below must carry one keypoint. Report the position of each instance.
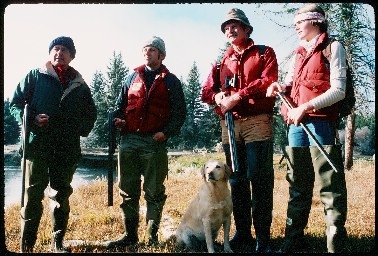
(236, 14)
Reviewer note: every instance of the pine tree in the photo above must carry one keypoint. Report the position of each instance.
(191, 133)
(11, 127)
(105, 92)
(116, 76)
(210, 129)
(95, 138)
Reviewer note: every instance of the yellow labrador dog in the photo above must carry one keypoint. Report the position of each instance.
(208, 211)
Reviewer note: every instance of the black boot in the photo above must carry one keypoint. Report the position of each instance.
(29, 230)
(242, 241)
(152, 229)
(130, 237)
(263, 245)
(59, 218)
(291, 245)
(57, 242)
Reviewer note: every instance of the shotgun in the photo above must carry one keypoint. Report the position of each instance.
(112, 144)
(24, 143)
(309, 133)
(231, 128)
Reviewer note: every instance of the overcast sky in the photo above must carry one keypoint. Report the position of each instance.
(191, 33)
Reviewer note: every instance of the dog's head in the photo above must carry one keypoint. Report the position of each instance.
(215, 170)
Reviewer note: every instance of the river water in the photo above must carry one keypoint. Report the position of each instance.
(13, 174)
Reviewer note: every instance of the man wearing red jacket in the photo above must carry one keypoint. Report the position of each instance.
(255, 68)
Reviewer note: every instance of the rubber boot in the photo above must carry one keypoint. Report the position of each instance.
(241, 199)
(29, 229)
(57, 242)
(152, 231)
(130, 237)
(153, 216)
(30, 214)
(333, 194)
(155, 172)
(301, 178)
(59, 224)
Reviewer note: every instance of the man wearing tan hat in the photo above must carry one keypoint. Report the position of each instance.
(150, 109)
(252, 69)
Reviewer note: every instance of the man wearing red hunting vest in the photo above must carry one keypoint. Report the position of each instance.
(151, 108)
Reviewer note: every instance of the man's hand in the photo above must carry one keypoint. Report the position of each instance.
(159, 137)
(274, 88)
(295, 115)
(229, 102)
(41, 120)
(219, 97)
(120, 123)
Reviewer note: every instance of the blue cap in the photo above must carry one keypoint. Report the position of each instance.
(66, 42)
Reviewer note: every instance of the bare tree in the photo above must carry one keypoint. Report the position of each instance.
(350, 23)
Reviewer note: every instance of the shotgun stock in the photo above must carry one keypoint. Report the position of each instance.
(25, 141)
(112, 144)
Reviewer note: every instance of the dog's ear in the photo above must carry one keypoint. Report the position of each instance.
(228, 171)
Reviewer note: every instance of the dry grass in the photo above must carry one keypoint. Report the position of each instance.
(92, 222)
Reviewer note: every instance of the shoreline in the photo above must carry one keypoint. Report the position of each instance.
(91, 157)
(98, 157)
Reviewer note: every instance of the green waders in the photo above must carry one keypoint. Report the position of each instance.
(303, 164)
(59, 216)
(37, 176)
(29, 229)
(333, 194)
(141, 155)
(36, 180)
(301, 177)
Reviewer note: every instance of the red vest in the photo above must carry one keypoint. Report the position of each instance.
(251, 70)
(147, 113)
(311, 79)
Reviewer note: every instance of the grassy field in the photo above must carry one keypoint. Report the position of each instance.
(92, 222)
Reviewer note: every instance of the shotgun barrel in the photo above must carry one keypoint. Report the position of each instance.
(112, 143)
(25, 141)
(231, 137)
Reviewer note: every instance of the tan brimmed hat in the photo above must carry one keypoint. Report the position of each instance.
(236, 14)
